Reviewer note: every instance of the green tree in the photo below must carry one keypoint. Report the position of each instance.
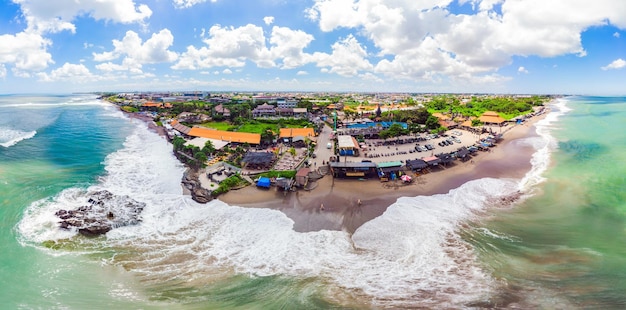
(476, 122)
(208, 148)
(178, 143)
(396, 130)
(432, 122)
(201, 159)
(268, 135)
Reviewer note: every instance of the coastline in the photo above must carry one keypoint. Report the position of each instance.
(340, 197)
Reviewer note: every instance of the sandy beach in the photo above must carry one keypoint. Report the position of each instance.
(339, 197)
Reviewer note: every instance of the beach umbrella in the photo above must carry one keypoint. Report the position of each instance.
(405, 178)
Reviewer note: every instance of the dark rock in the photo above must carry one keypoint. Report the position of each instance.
(201, 195)
(104, 212)
(191, 181)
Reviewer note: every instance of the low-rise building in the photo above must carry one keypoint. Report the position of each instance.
(264, 110)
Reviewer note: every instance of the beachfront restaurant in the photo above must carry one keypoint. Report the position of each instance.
(416, 165)
(446, 158)
(463, 154)
(258, 160)
(432, 161)
(389, 170)
(352, 169)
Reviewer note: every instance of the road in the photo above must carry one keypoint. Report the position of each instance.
(322, 153)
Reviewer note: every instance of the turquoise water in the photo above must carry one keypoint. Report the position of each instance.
(567, 241)
(560, 247)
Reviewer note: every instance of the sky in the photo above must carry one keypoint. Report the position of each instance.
(449, 46)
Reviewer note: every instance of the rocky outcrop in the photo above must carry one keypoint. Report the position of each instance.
(103, 212)
(191, 181)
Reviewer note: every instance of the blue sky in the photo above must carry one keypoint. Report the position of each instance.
(493, 46)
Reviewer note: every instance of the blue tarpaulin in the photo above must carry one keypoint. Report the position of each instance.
(263, 182)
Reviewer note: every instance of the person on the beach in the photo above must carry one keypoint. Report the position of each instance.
(322, 207)
(358, 202)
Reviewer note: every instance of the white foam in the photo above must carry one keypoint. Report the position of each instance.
(414, 251)
(62, 102)
(10, 137)
(137, 171)
(544, 145)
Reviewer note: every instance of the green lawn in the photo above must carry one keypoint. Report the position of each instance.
(256, 126)
(218, 125)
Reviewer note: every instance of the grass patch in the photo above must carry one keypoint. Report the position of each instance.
(129, 109)
(257, 128)
(224, 126)
(232, 182)
(278, 174)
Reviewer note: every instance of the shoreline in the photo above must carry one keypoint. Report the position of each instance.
(340, 197)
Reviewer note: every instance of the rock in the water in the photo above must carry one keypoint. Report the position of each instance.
(191, 181)
(104, 212)
(201, 195)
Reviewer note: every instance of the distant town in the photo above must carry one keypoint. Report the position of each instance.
(287, 140)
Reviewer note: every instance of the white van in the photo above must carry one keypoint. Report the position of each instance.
(329, 145)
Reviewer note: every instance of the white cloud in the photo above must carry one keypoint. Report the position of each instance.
(521, 69)
(227, 47)
(268, 20)
(616, 64)
(76, 73)
(227, 71)
(232, 47)
(288, 45)
(137, 53)
(453, 45)
(302, 73)
(616, 34)
(27, 51)
(189, 3)
(54, 16)
(347, 59)
(3, 71)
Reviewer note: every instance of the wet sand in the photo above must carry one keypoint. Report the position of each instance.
(339, 197)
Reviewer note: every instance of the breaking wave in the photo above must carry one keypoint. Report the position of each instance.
(413, 252)
(10, 137)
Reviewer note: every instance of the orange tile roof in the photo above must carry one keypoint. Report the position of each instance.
(490, 113)
(152, 104)
(441, 116)
(491, 117)
(294, 132)
(231, 136)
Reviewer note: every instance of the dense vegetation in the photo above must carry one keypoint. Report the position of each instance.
(507, 107)
(233, 182)
(278, 174)
(191, 155)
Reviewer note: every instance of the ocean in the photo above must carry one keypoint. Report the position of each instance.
(559, 246)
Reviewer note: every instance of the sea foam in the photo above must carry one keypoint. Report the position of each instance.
(10, 137)
(414, 251)
(544, 145)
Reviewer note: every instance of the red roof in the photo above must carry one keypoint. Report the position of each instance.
(303, 172)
